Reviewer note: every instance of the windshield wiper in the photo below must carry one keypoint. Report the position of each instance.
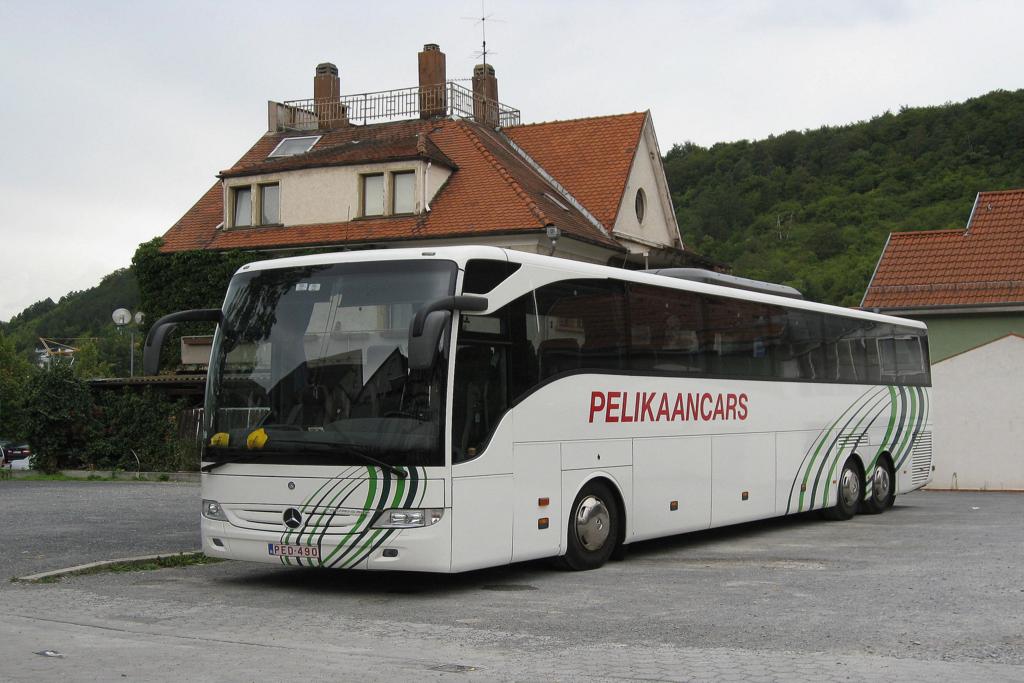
(312, 445)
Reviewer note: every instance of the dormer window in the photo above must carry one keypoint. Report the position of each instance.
(372, 192)
(403, 192)
(241, 202)
(270, 204)
(289, 147)
(255, 205)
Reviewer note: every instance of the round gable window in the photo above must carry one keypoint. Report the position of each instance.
(640, 204)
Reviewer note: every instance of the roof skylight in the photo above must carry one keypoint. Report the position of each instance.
(289, 147)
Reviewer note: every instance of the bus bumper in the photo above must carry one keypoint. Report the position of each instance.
(426, 549)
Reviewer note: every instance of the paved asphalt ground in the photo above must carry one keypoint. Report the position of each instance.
(931, 590)
(53, 524)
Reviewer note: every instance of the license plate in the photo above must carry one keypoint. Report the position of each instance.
(279, 550)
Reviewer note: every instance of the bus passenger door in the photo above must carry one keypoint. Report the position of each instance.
(672, 482)
(536, 528)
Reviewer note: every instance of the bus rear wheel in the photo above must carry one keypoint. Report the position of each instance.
(848, 494)
(593, 528)
(883, 487)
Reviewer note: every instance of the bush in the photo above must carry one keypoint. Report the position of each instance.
(58, 412)
(15, 373)
(69, 427)
(125, 421)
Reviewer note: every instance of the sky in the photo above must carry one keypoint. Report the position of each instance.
(118, 116)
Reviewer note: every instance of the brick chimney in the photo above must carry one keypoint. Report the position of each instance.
(330, 112)
(433, 94)
(485, 95)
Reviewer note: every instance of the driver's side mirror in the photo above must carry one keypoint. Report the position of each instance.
(424, 347)
(429, 324)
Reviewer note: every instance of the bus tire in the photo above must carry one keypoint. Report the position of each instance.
(593, 532)
(883, 487)
(848, 492)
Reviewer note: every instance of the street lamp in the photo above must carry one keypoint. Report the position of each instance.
(123, 317)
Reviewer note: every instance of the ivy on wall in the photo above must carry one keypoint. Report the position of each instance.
(170, 282)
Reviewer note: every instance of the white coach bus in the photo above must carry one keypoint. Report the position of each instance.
(465, 407)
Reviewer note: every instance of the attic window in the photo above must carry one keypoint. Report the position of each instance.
(289, 147)
(640, 204)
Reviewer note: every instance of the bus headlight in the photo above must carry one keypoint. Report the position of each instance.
(408, 518)
(213, 510)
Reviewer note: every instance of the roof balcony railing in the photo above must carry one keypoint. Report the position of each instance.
(449, 99)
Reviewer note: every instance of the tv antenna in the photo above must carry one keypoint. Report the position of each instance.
(481, 21)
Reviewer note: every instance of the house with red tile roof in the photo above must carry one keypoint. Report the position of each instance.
(968, 286)
(440, 164)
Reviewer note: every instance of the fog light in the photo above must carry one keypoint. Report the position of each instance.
(213, 510)
(408, 518)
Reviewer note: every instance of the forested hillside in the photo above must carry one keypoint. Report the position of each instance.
(83, 315)
(813, 209)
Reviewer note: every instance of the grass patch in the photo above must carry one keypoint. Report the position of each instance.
(149, 564)
(171, 561)
(42, 476)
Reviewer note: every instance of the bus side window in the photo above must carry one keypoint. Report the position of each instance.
(588, 312)
(744, 336)
(664, 330)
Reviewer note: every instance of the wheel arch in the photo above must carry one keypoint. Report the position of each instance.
(615, 487)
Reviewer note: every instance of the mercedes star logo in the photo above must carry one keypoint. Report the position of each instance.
(292, 518)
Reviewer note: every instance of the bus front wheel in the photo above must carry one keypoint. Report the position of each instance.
(593, 528)
(848, 493)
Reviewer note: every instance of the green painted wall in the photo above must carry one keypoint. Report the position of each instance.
(951, 334)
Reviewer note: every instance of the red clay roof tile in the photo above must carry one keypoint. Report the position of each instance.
(492, 191)
(590, 157)
(983, 264)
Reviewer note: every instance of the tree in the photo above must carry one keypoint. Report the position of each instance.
(58, 412)
(822, 202)
(15, 372)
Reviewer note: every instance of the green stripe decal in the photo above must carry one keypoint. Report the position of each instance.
(821, 442)
(368, 505)
(908, 409)
(909, 431)
(852, 446)
(359, 555)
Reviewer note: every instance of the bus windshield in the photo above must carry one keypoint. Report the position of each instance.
(310, 367)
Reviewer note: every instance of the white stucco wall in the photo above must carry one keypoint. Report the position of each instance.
(977, 399)
(331, 195)
(659, 225)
